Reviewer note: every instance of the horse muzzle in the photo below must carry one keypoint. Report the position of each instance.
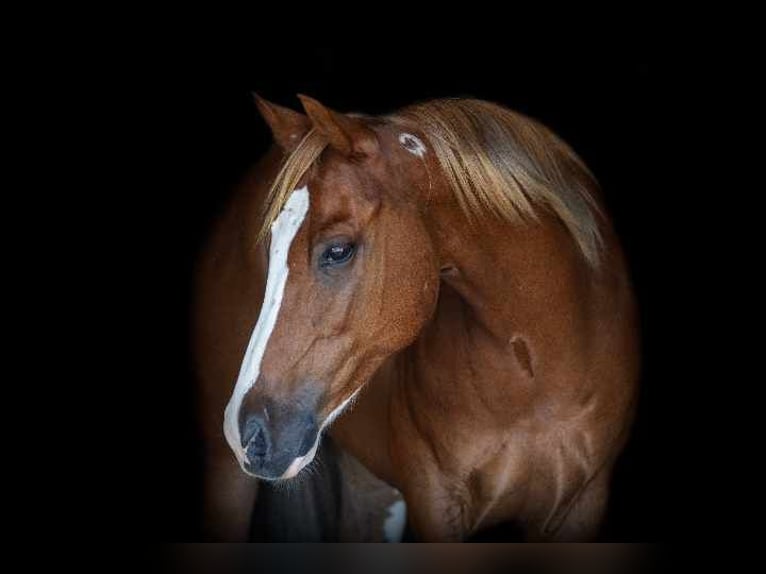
(278, 442)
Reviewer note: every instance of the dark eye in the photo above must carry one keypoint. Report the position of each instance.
(336, 254)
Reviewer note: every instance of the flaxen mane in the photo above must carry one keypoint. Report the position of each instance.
(495, 160)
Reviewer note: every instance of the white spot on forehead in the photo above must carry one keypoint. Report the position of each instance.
(283, 231)
(412, 144)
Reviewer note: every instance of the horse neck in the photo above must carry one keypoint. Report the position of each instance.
(505, 288)
(506, 272)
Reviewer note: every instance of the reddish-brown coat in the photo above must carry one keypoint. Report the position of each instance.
(501, 368)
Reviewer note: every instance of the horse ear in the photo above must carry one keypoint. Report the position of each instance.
(287, 126)
(347, 134)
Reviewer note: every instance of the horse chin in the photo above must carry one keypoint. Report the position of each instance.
(301, 462)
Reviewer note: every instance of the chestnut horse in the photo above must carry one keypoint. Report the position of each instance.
(449, 271)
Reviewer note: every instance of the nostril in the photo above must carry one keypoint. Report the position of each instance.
(258, 446)
(255, 440)
(252, 426)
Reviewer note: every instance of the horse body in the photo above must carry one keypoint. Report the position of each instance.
(500, 374)
(511, 402)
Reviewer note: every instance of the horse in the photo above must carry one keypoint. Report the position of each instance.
(439, 290)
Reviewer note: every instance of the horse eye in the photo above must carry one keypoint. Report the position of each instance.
(336, 254)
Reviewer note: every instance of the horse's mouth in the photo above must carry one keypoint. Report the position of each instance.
(277, 473)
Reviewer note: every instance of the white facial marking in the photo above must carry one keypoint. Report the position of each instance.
(393, 527)
(412, 144)
(297, 464)
(283, 231)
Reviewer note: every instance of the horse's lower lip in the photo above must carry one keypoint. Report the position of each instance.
(267, 478)
(259, 474)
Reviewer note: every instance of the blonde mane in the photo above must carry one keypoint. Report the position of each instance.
(496, 161)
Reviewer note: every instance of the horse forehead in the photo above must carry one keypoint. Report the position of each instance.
(338, 171)
(339, 184)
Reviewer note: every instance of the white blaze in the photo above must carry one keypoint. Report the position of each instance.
(283, 231)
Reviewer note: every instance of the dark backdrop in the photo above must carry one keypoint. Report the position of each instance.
(609, 98)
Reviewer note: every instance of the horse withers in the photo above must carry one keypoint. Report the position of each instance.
(441, 290)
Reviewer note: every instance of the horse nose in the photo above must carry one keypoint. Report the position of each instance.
(256, 441)
(273, 441)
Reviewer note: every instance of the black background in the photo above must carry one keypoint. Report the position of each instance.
(613, 98)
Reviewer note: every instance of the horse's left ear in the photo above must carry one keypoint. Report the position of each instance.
(347, 134)
(287, 127)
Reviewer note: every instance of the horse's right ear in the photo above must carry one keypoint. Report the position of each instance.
(287, 126)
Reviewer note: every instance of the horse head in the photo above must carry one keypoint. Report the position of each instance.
(353, 276)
